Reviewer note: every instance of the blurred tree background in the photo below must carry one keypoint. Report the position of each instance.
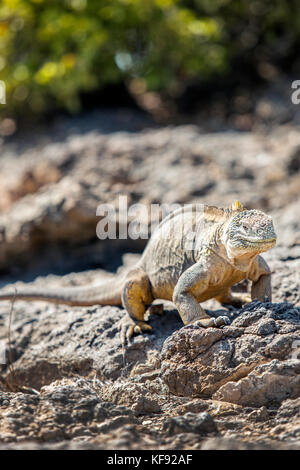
(52, 52)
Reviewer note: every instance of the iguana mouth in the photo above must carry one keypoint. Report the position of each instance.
(257, 242)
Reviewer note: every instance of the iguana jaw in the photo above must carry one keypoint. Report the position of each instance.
(259, 241)
(247, 234)
(255, 244)
(242, 257)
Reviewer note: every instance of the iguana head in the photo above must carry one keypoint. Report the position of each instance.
(248, 232)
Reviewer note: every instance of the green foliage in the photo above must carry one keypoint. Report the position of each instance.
(52, 50)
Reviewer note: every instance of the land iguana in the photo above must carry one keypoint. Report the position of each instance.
(223, 250)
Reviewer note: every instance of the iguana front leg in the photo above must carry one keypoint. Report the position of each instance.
(260, 276)
(261, 289)
(190, 285)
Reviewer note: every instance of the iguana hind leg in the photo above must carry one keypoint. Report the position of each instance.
(135, 298)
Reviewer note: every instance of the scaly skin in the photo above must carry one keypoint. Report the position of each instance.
(192, 256)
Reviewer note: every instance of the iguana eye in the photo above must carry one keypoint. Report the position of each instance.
(245, 227)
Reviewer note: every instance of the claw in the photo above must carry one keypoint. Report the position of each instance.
(128, 334)
(222, 320)
(212, 322)
(129, 327)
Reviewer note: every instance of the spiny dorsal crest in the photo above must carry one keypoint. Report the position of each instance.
(216, 214)
(237, 206)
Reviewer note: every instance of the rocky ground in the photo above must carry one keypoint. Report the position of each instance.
(68, 383)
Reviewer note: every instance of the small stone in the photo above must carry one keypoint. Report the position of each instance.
(200, 423)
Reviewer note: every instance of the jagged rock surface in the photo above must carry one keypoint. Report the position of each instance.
(67, 382)
(249, 362)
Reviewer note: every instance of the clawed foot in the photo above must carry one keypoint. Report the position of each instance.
(212, 322)
(221, 320)
(129, 327)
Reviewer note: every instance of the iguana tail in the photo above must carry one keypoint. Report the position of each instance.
(108, 293)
